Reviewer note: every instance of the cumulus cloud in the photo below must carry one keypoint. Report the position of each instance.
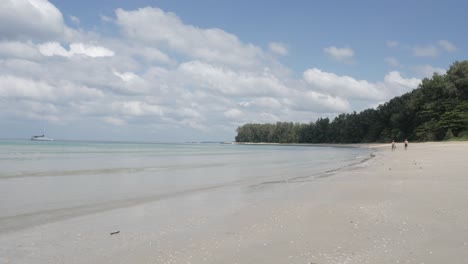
(17, 49)
(340, 54)
(348, 87)
(56, 49)
(262, 103)
(342, 85)
(152, 54)
(426, 51)
(229, 82)
(90, 50)
(114, 121)
(447, 46)
(31, 99)
(44, 111)
(313, 101)
(212, 45)
(126, 76)
(278, 48)
(26, 19)
(138, 108)
(233, 113)
(12, 87)
(132, 82)
(426, 71)
(394, 81)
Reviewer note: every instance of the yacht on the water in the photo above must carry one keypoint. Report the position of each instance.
(41, 138)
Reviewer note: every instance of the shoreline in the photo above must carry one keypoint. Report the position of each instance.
(329, 145)
(397, 207)
(345, 145)
(23, 221)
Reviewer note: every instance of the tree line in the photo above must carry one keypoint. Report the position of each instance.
(436, 110)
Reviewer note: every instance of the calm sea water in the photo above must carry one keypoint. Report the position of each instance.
(40, 179)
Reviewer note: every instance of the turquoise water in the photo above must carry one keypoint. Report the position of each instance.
(38, 179)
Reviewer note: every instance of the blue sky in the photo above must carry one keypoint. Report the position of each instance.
(173, 71)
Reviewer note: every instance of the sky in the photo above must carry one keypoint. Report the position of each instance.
(188, 71)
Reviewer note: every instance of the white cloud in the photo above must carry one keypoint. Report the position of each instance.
(152, 54)
(17, 49)
(126, 76)
(114, 121)
(14, 87)
(278, 48)
(53, 49)
(427, 51)
(426, 71)
(340, 54)
(132, 82)
(26, 19)
(392, 43)
(229, 82)
(447, 46)
(262, 103)
(233, 113)
(392, 62)
(21, 67)
(348, 87)
(394, 80)
(90, 50)
(187, 112)
(313, 101)
(38, 99)
(44, 111)
(342, 85)
(138, 108)
(56, 49)
(267, 118)
(212, 45)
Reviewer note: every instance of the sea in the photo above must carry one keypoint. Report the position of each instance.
(42, 182)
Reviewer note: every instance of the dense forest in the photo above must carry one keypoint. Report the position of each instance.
(436, 110)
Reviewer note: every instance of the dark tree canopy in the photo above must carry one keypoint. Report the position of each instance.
(436, 110)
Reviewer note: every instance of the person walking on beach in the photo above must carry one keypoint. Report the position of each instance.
(406, 144)
(393, 145)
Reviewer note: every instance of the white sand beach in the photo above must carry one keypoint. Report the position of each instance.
(398, 207)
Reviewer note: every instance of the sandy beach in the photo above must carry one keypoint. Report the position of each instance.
(397, 207)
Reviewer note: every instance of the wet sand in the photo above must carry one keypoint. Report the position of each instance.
(399, 207)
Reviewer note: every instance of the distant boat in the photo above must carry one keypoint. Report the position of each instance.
(41, 138)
